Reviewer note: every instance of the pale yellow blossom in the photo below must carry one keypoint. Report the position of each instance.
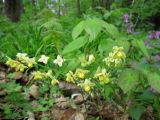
(43, 59)
(59, 61)
(80, 73)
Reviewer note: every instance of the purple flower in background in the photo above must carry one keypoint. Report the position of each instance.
(151, 35)
(157, 34)
(126, 16)
(153, 90)
(154, 35)
(129, 28)
(146, 42)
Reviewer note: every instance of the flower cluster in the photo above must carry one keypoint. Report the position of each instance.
(37, 75)
(87, 85)
(116, 57)
(79, 77)
(102, 76)
(16, 65)
(23, 62)
(127, 23)
(86, 79)
(79, 74)
(23, 58)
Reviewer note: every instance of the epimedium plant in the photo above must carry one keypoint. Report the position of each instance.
(98, 59)
(134, 80)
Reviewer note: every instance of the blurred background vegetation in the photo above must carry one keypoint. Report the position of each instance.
(24, 25)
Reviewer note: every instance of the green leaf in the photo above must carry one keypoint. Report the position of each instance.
(93, 28)
(124, 44)
(136, 112)
(106, 45)
(73, 64)
(107, 91)
(77, 30)
(128, 80)
(76, 44)
(154, 80)
(140, 44)
(111, 29)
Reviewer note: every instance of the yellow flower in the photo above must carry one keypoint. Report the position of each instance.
(102, 76)
(80, 73)
(59, 61)
(37, 75)
(49, 73)
(70, 77)
(87, 85)
(91, 58)
(21, 56)
(16, 65)
(53, 82)
(87, 88)
(30, 62)
(116, 57)
(20, 67)
(43, 59)
(120, 55)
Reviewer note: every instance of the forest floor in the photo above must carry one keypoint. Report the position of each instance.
(71, 105)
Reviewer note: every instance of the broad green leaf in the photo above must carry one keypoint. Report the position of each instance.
(140, 44)
(154, 80)
(76, 44)
(107, 91)
(77, 30)
(73, 64)
(106, 45)
(124, 44)
(128, 80)
(111, 29)
(136, 112)
(93, 28)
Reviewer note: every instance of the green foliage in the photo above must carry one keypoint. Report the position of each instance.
(136, 112)
(14, 101)
(88, 43)
(128, 80)
(76, 44)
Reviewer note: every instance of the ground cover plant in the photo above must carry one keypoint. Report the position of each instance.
(80, 60)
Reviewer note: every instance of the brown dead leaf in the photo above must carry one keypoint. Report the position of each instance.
(148, 114)
(34, 103)
(79, 116)
(3, 67)
(62, 102)
(34, 91)
(2, 75)
(56, 113)
(68, 114)
(69, 87)
(72, 114)
(107, 113)
(31, 116)
(3, 81)
(123, 116)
